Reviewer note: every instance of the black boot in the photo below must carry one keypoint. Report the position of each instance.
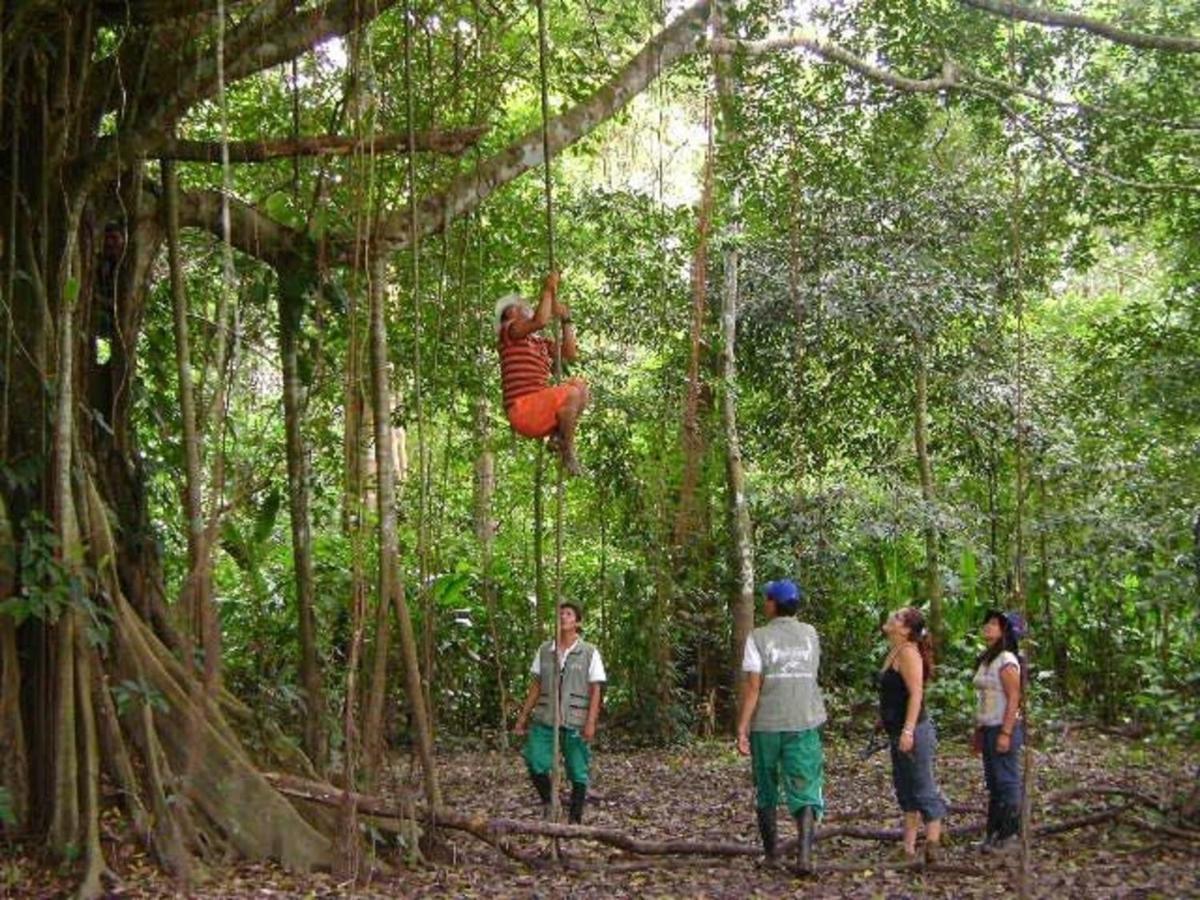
(1008, 828)
(993, 826)
(541, 781)
(767, 831)
(578, 798)
(806, 825)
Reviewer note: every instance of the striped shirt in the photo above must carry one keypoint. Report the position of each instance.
(524, 365)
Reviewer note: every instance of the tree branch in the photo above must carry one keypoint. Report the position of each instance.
(1095, 109)
(836, 53)
(953, 77)
(297, 34)
(1077, 166)
(251, 231)
(149, 12)
(262, 39)
(451, 142)
(1007, 9)
(468, 190)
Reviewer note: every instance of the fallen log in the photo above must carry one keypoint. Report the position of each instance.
(1096, 818)
(498, 832)
(1187, 834)
(1136, 796)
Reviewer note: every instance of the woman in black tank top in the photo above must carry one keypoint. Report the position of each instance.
(911, 735)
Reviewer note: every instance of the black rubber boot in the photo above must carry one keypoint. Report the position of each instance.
(767, 831)
(807, 827)
(993, 826)
(1008, 829)
(542, 783)
(578, 798)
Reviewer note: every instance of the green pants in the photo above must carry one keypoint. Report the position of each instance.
(799, 756)
(539, 751)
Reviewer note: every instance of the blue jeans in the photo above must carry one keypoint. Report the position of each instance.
(1002, 771)
(912, 774)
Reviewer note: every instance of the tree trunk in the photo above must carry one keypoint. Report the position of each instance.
(293, 292)
(741, 600)
(74, 431)
(1058, 650)
(14, 764)
(800, 351)
(348, 856)
(993, 512)
(933, 574)
(390, 586)
(693, 437)
(196, 593)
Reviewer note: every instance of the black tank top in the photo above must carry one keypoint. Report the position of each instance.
(893, 701)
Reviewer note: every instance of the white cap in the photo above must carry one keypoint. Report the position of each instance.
(504, 303)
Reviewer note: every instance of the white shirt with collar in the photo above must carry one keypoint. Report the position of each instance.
(595, 670)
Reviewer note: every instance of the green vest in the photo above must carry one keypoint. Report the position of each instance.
(574, 696)
(790, 699)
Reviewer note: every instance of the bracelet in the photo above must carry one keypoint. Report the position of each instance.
(566, 320)
(1007, 734)
(908, 729)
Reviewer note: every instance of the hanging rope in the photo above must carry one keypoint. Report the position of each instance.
(560, 488)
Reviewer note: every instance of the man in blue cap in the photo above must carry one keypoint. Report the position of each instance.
(781, 715)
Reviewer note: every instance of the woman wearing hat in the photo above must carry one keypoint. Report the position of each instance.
(999, 733)
(911, 735)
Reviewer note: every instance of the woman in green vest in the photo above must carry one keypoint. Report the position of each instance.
(781, 716)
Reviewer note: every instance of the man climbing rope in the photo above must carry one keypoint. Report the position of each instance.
(781, 715)
(535, 408)
(582, 674)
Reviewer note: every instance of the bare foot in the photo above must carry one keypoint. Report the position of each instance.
(571, 464)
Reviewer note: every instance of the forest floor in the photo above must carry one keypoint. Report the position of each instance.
(703, 792)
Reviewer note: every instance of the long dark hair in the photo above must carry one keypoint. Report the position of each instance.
(1008, 641)
(914, 620)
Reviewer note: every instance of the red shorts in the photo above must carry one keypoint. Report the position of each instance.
(536, 415)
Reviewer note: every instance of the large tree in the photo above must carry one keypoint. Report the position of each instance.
(93, 94)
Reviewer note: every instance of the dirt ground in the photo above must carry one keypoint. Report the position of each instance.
(703, 792)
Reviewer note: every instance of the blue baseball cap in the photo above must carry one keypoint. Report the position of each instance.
(785, 593)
